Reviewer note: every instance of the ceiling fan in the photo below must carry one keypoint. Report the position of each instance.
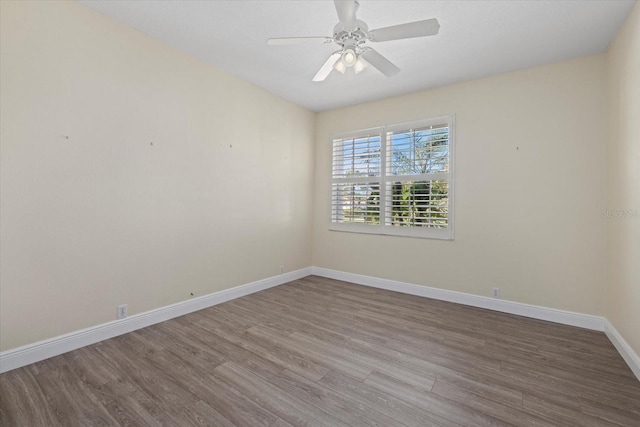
(351, 34)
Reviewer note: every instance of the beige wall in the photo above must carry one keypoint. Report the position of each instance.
(623, 279)
(530, 187)
(102, 218)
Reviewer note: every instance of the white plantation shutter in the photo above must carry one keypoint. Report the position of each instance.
(357, 168)
(395, 180)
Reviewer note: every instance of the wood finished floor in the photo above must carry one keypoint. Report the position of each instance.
(323, 352)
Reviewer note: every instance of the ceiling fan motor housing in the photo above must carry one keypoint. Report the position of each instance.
(350, 39)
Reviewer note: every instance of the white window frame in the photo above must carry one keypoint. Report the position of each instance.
(406, 231)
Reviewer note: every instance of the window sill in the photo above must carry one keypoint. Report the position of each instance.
(415, 232)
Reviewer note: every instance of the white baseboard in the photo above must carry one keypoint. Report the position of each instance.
(31, 353)
(543, 313)
(623, 347)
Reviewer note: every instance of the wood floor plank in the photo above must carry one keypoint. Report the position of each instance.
(560, 380)
(147, 377)
(351, 412)
(280, 423)
(393, 404)
(477, 380)
(72, 401)
(287, 321)
(560, 414)
(320, 320)
(285, 357)
(470, 356)
(191, 341)
(91, 367)
(374, 361)
(201, 381)
(23, 402)
(318, 351)
(202, 414)
(506, 413)
(344, 324)
(284, 405)
(624, 417)
(439, 406)
(130, 406)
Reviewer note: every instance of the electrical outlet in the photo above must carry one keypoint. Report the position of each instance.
(496, 292)
(282, 269)
(122, 311)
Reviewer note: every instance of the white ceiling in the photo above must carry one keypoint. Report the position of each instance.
(476, 39)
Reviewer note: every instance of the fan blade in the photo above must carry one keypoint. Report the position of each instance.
(326, 68)
(409, 30)
(283, 41)
(347, 12)
(378, 61)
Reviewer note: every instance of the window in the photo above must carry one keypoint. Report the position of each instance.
(395, 179)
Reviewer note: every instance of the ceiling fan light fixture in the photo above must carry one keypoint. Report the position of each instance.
(349, 57)
(340, 67)
(359, 65)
